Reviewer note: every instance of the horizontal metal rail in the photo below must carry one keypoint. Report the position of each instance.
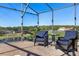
(15, 9)
(58, 9)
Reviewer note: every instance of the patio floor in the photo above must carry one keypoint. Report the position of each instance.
(7, 50)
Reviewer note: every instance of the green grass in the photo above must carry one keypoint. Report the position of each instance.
(58, 34)
(29, 36)
(10, 36)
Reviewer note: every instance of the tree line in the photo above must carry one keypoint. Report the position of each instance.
(35, 28)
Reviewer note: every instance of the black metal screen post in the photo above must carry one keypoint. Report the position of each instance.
(52, 19)
(21, 26)
(37, 17)
(75, 20)
(21, 21)
(52, 25)
(52, 14)
(37, 22)
(22, 15)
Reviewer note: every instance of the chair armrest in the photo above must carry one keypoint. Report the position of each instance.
(39, 37)
(60, 38)
(64, 40)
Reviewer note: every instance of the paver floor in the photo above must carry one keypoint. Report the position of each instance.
(6, 50)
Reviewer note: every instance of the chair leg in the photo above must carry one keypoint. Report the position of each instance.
(68, 53)
(73, 53)
(34, 42)
(65, 52)
(45, 43)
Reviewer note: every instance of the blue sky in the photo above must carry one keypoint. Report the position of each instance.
(61, 17)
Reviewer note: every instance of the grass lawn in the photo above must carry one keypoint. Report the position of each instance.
(10, 35)
(29, 36)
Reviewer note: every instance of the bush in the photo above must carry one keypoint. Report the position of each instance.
(1, 34)
(29, 36)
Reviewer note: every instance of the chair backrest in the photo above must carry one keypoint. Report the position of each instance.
(70, 35)
(42, 33)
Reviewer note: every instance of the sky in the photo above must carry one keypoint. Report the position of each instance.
(61, 17)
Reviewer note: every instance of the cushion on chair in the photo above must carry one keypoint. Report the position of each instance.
(64, 42)
(70, 35)
(41, 33)
(40, 39)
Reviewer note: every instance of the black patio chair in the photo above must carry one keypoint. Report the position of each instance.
(9, 40)
(24, 38)
(17, 39)
(68, 43)
(41, 38)
(1, 40)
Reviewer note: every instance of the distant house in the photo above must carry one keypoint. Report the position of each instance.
(62, 29)
(6, 32)
(24, 32)
(65, 28)
(1, 32)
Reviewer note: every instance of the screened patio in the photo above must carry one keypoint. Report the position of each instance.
(36, 15)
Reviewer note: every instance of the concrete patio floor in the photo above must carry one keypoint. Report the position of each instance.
(6, 50)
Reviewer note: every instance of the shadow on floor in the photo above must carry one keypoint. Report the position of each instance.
(28, 52)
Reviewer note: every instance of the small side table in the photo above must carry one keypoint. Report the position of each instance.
(54, 38)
